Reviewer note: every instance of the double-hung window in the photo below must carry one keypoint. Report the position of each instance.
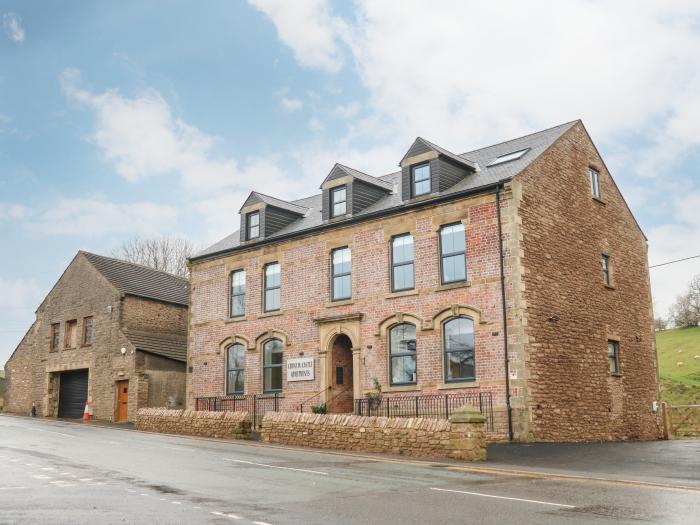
(402, 354)
(605, 262)
(614, 357)
(272, 287)
(272, 366)
(402, 263)
(339, 205)
(453, 253)
(420, 179)
(237, 293)
(235, 369)
(458, 345)
(253, 225)
(341, 271)
(595, 182)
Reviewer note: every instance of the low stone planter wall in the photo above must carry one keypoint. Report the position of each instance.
(462, 437)
(228, 425)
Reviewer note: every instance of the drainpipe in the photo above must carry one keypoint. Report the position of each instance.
(505, 314)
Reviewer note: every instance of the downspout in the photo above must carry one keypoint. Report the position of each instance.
(505, 314)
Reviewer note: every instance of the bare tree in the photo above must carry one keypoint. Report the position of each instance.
(162, 253)
(660, 324)
(685, 312)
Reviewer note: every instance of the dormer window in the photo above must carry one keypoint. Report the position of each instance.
(420, 179)
(339, 201)
(253, 225)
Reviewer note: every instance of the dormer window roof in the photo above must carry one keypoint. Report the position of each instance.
(423, 149)
(340, 171)
(262, 216)
(515, 155)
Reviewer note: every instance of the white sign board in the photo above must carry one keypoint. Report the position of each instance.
(301, 369)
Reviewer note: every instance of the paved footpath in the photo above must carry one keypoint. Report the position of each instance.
(56, 472)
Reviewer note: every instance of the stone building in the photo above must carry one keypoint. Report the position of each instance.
(109, 331)
(516, 271)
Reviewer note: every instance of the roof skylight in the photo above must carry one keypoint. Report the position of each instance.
(508, 157)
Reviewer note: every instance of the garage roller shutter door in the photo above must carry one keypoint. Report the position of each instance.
(73, 394)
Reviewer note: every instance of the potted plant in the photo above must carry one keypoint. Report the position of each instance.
(319, 409)
(374, 396)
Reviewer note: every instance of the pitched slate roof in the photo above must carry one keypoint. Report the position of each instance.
(369, 179)
(256, 196)
(159, 344)
(484, 176)
(141, 281)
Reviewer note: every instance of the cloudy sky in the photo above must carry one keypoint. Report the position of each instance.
(149, 118)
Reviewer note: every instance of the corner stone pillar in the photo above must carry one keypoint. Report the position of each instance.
(323, 374)
(467, 436)
(356, 385)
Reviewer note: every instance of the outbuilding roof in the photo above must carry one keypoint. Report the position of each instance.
(141, 281)
(164, 345)
(484, 176)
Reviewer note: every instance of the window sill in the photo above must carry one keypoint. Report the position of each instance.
(238, 319)
(402, 388)
(343, 302)
(458, 384)
(599, 200)
(609, 287)
(86, 345)
(616, 374)
(402, 293)
(270, 314)
(452, 286)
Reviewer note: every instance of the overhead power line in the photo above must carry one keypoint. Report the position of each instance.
(676, 261)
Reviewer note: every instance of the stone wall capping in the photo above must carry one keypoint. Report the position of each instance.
(458, 384)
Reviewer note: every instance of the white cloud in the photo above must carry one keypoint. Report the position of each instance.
(19, 298)
(13, 211)
(18, 294)
(347, 110)
(82, 217)
(143, 139)
(309, 29)
(316, 124)
(12, 24)
(291, 104)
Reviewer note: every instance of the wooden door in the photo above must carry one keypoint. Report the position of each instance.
(122, 400)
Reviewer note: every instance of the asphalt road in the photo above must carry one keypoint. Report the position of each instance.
(55, 472)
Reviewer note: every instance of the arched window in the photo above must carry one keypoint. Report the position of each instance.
(402, 354)
(272, 366)
(235, 369)
(458, 344)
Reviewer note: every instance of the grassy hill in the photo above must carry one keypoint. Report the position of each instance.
(680, 383)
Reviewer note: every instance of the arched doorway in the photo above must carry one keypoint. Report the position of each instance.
(340, 398)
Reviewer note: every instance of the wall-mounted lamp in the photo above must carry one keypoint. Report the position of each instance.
(552, 318)
(123, 351)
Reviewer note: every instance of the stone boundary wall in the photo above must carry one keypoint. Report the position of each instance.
(430, 438)
(228, 425)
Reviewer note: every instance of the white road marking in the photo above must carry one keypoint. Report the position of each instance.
(41, 476)
(215, 513)
(276, 466)
(47, 468)
(143, 495)
(176, 502)
(233, 517)
(84, 480)
(505, 497)
(261, 523)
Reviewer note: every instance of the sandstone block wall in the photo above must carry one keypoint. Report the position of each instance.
(430, 438)
(227, 425)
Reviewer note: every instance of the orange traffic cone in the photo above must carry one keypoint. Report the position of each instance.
(86, 414)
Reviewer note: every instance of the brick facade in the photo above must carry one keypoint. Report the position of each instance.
(559, 315)
(33, 370)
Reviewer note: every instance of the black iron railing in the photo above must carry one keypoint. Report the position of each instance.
(255, 404)
(426, 406)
